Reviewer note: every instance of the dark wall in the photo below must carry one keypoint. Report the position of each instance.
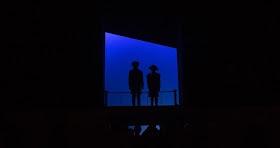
(230, 55)
(55, 57)
(155, 29)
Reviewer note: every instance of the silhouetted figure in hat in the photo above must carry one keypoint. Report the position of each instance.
(136, 83)
(137, 130)
(153, 79)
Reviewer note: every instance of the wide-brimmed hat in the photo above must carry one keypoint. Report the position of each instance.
(153, 67)
(135, 63)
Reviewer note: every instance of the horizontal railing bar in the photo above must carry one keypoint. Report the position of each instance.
(120, 92)
(130, 92)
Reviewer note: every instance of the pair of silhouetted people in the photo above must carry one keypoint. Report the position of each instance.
(136, 83)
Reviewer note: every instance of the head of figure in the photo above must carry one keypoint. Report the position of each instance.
(153, 124)
(153, 68)
(135, 64)
(137, 129)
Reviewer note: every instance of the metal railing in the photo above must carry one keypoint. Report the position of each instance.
(106, 96)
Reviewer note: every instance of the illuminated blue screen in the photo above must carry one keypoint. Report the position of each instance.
(120, 51)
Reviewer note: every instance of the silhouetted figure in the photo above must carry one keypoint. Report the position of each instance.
(151, 130)
(153, 79)
(136, 83)
(138, 141)
(137, 130)
(151, 135)
(130, 132)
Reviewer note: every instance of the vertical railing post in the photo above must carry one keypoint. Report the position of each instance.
(147, 100)
(160, 99)
(106, 98)
(175, 96)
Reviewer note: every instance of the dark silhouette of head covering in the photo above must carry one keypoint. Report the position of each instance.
(153, 67)
(135, 63)
(137, 129)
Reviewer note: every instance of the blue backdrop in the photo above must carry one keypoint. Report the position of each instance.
(120, 51)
